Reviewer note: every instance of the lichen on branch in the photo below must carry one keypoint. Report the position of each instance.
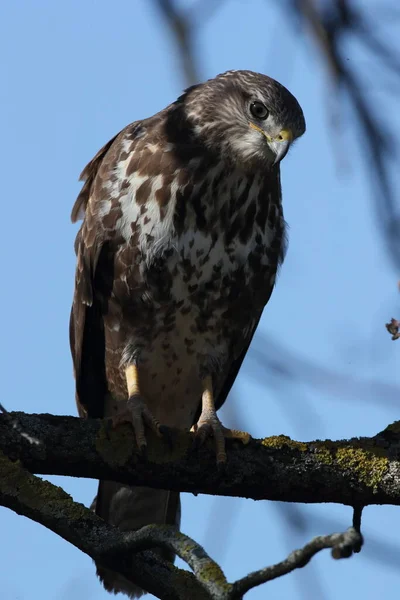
(359, 471)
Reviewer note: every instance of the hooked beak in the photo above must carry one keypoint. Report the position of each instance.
(279, 144)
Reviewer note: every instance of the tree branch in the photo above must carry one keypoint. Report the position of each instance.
(13, 422)
(355, 472)
(206, 571)
(122, 552)
(343, 545)
(50, 506)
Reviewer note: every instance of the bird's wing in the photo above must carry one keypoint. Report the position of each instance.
(261, 302)
(235, 367)
(92, 247)
(106, 180)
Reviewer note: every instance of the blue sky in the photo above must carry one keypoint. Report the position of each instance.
(73, 74)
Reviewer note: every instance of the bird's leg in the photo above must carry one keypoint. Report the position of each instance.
(137, 413)
(209, 424)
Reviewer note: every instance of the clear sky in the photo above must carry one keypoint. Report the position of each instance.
(73, 74)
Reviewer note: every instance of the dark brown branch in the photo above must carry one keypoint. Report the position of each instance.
(355, 472)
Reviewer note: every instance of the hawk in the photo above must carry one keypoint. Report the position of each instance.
(182, 236)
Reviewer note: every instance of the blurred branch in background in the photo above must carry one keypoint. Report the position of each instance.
(280, 363)
(333, 26)
(183, 33)
(184, 25)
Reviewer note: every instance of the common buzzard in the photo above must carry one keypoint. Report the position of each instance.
(182, 236)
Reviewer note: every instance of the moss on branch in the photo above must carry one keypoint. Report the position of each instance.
(359, 471)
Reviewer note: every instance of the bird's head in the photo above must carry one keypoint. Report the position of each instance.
(246, 117)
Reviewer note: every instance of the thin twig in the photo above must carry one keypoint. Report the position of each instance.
(343, 545)
(206, 571)
(357, 514)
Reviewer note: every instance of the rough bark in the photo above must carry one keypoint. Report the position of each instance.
(355, 472)
(89, 448)
(52, 507)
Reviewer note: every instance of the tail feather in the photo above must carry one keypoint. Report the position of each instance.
(130, 508)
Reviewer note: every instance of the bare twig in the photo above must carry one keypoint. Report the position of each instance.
(206, 571)
(343, 545)
(284, 365)
(357, 514)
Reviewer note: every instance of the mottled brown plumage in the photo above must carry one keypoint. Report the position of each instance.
(177, 256)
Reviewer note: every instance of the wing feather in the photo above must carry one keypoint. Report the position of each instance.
(88, 176)
(92, 246)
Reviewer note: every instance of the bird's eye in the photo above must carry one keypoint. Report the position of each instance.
(258, 110)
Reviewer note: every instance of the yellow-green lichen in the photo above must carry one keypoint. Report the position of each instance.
(323, 454)
(34, 493)
(368, 465)
(282, 441)
(211, 573)
(183, 582)
(367, 461)
(207, 571)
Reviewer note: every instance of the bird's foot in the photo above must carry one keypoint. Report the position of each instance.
(137, 412)
(209, 425)
(138, 415)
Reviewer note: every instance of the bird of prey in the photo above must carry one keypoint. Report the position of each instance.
(177, 255)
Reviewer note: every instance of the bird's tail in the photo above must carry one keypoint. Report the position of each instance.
(130, 508)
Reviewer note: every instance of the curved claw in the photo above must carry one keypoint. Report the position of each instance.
(138, 415)
(211, 427)
(209, 424)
